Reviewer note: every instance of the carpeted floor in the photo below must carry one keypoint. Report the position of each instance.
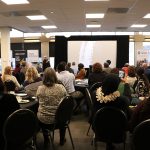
(78, 126)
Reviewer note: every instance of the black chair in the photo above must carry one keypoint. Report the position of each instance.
(63, 116)
(110, 126)
(141, 136)
(9, 85)
(95, 86)
(20, 129)
(90, 107)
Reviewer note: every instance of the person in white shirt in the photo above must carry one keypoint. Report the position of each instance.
(68, 80)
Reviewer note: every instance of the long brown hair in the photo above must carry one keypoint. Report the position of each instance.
(49, 77)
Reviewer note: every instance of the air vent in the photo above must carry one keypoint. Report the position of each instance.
(117, 10)
(121, 28)
(36, 28)
(21, 13)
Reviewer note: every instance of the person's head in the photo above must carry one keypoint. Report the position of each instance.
(108, 61)
(115, 71)
(126, 64)
(110, 84)
(144, 65)
(106, 65)
(31, 74)
(49, 77)
(131, 71)
(97, 67)
(69, 64)
(45, 57)
(23, 64)
(7, 70)
(140, 71)
(73, 63)
(61, 66)
(17, 65)
(80, 66)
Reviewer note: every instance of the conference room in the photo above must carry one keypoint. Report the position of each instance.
(81, 31)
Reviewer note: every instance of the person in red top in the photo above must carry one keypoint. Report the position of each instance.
(81, 73)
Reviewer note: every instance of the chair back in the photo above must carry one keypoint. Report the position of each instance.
(141, 136)
(110, 125)
(65, 110)
(10, 85)
(89, 101)
(19, 128)
(95, 86)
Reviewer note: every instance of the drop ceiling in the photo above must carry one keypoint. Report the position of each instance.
(69, 15)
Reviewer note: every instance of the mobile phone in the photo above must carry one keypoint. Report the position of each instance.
(121, 74)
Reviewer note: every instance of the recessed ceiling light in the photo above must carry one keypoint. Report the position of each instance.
(96, 0)
(147, 16)
(96, 15)
(138, 25)
(93, 25)
(49, 27)
(37, 17)
(13, 2)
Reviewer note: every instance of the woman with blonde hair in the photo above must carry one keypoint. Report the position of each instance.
(7, 75)
(31, 76)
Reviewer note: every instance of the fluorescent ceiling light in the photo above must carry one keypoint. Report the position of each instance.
(138, 25)
(93, 25)
(147, 16)
(12, 2)
(96, 0)
(37, 17)
(49, 27)
(96, 15)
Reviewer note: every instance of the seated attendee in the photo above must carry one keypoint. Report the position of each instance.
(68, 80)
(97, 75)
(24, 67)
(108, 95)
(8, 104)
(31, 76)
(68, 68)
(81, 72)
(39, 67)
(147, 72)
(131, 77)
(140, 113)
(31, 89)
(74, 67)
(106, 68)
(49, 95)
(125, 68)
(124, 87)
(7, 75)
(141, 85)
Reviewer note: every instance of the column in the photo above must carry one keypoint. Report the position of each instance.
(5, 47)
(44, 49)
